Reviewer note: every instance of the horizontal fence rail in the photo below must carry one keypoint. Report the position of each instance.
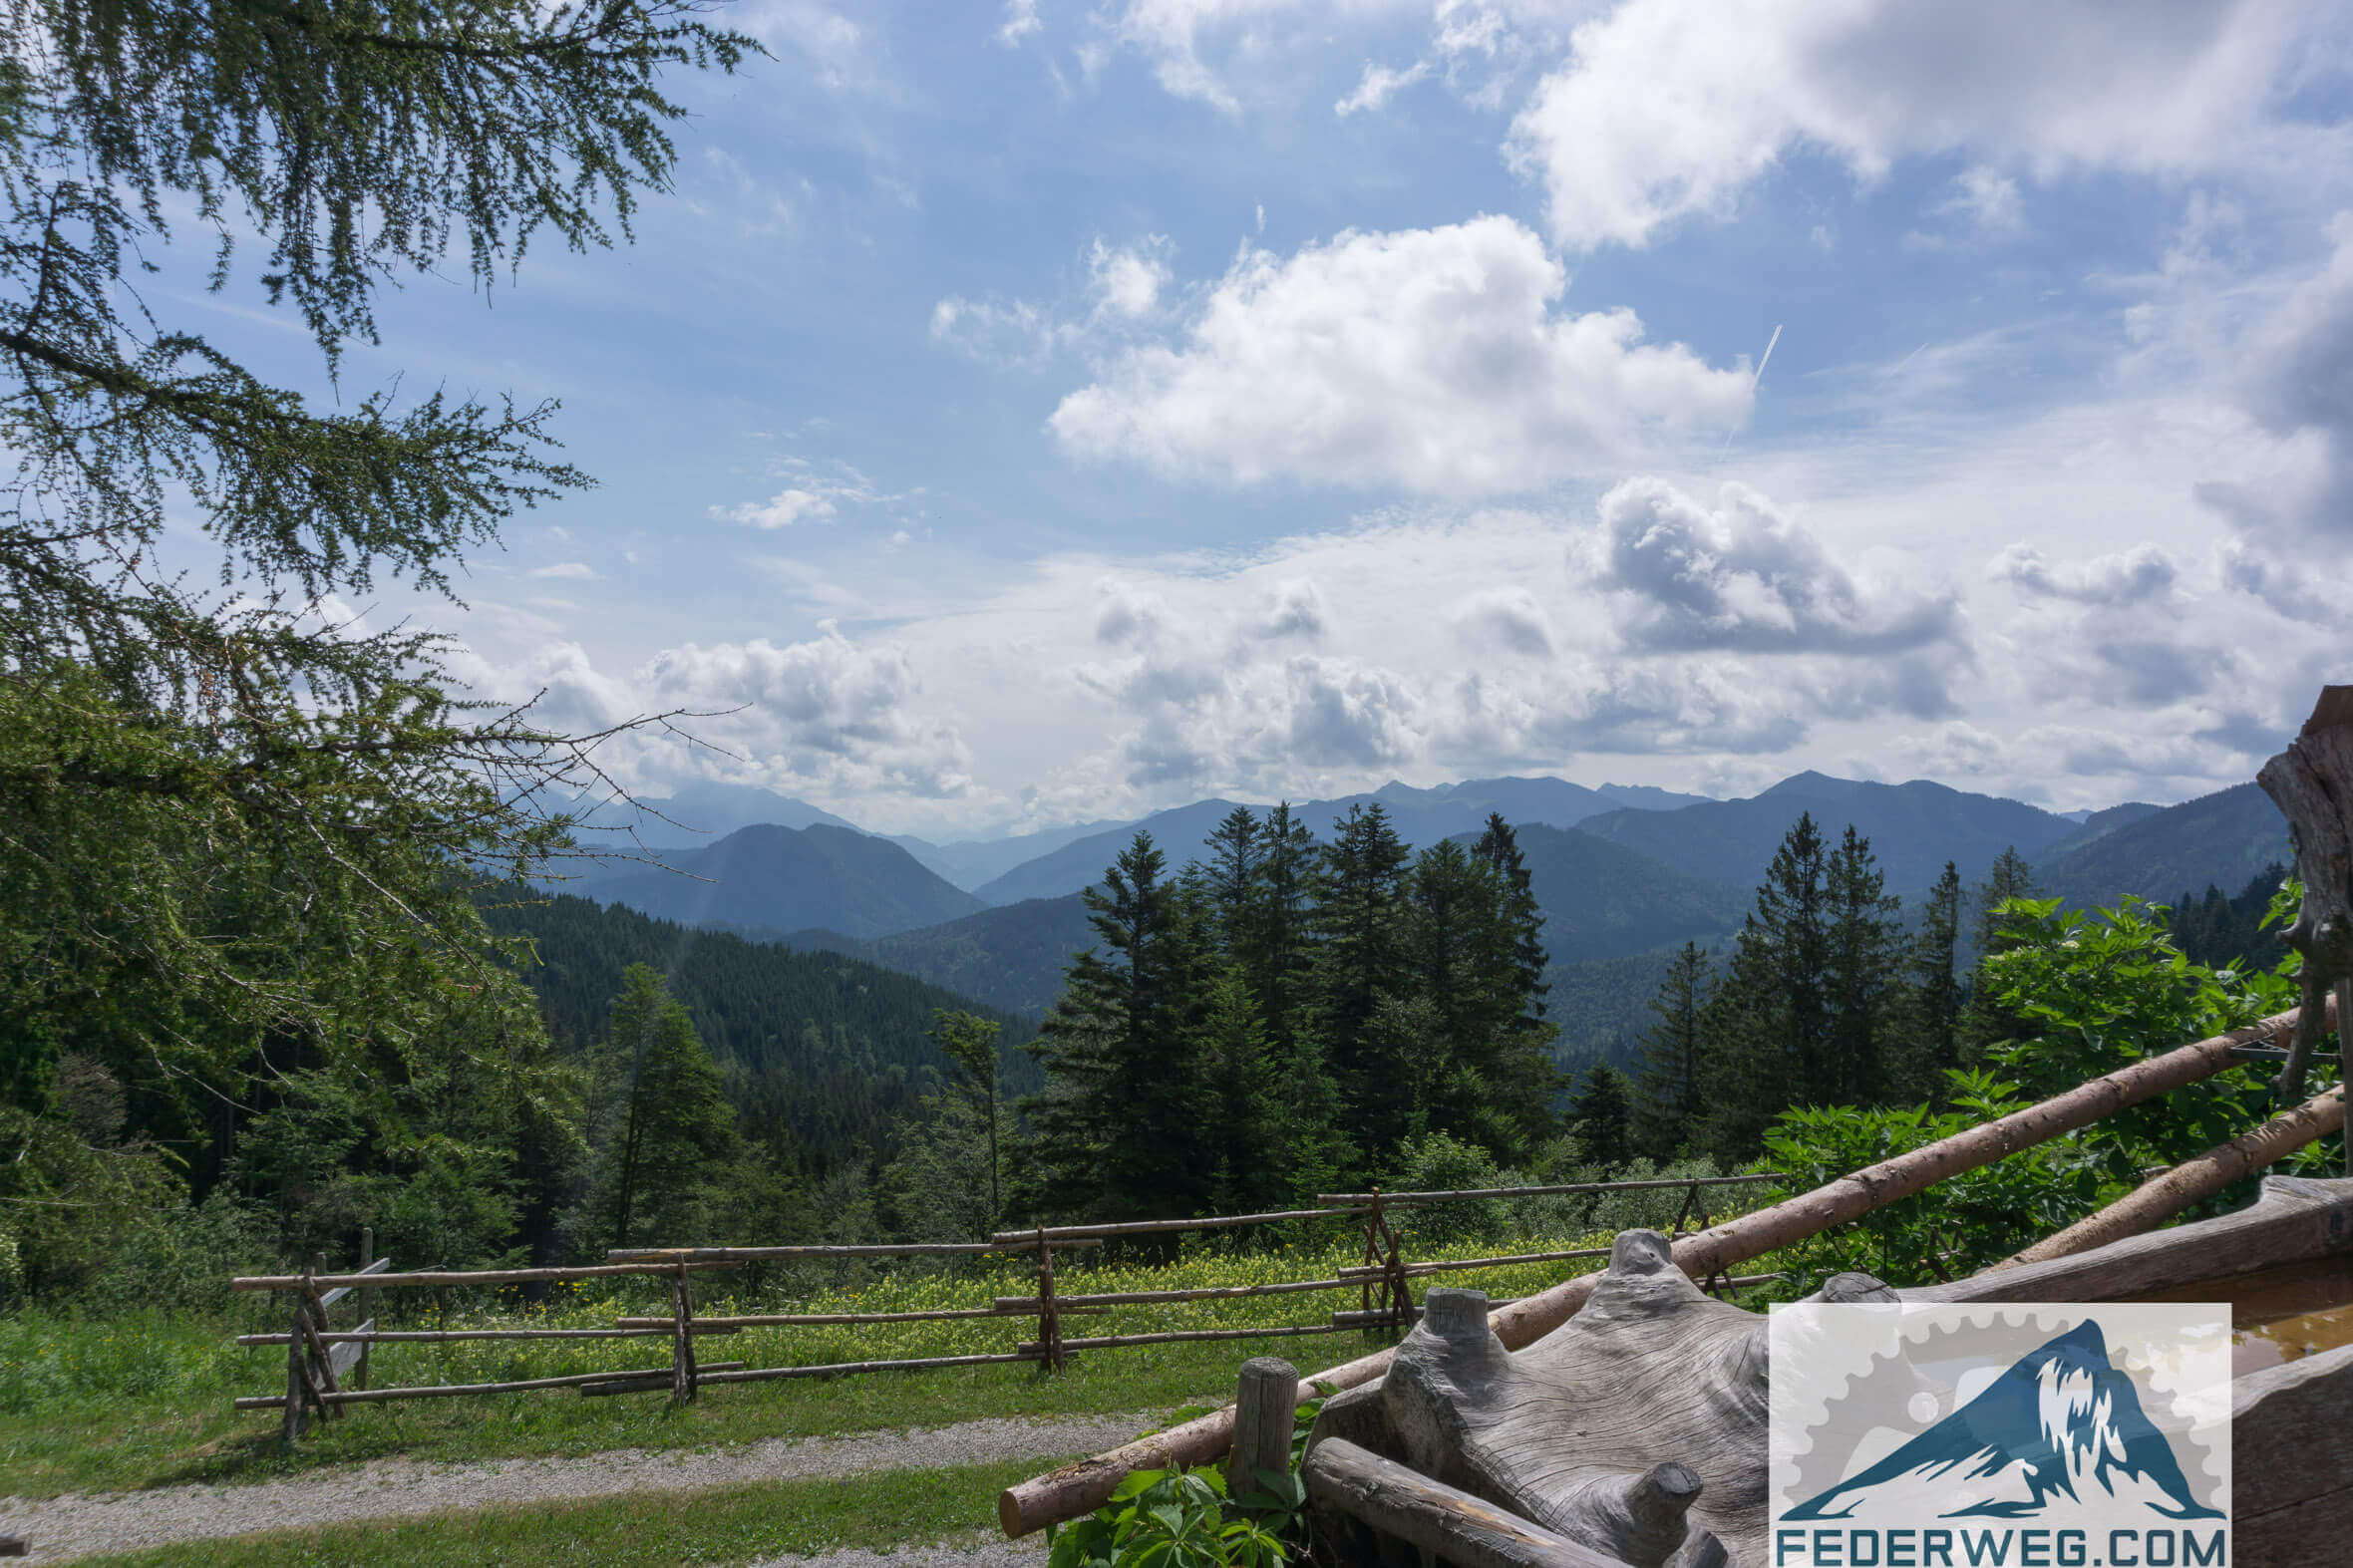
(327, 1366)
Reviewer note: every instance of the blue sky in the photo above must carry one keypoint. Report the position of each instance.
(1022, 414)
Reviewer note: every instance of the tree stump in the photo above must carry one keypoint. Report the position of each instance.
(1636, 1430)
(2312, 785)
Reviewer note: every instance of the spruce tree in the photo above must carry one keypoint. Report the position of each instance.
(668, 1134)
(1860, 976)
(1767, 1027)
(2010, 877)
(1360, 918)
(1931, 1012)
(1598, 1114)
(1667, 1100)
(1237, 853)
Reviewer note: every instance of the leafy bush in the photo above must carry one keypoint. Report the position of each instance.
(1177, 1520)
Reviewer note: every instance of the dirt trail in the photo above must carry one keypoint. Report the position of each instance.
(77, 1524)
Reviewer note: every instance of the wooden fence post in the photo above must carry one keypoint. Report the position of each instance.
(682, 1340)
(297, 1386)
(1264, 1401)
(1049, 1319)
(359, 1379)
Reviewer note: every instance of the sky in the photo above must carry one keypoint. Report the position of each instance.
(1029, 412)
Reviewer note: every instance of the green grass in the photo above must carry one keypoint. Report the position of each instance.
(144, 1400)
(711, 1525)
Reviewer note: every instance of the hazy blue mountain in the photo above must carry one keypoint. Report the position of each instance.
(2098, 824)
(1913, 828)
(1603, 900)
(1010, 957)
(697, 815)
(2217, 840)
(784, 878)
(968, 863)
(1421, 817)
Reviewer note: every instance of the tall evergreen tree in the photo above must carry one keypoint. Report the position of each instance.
(1499, 849)
(1861, 978)
(1599, 1114)
(1931, 1013)
(1361, 925)
(2010, 877)
(970, 1042)
(1124, 1126)
(1667, 1100)
(1233, 877)
(668, 1135)
(1767, 1027)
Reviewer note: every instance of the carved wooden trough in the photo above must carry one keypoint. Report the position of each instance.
(1635, 1433)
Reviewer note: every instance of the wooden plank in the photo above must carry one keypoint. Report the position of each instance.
(345, 1350)
(448, 1391)
(1445, 1523)
(648, 1382)
(330, 1296)
(1389, 1198)
(2294, 1220)
(1356, 1272)
(2291, 1444)
(1081, 1488)
(842, 1368)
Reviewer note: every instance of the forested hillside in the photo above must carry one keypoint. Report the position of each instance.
(822, 1052)
(1914, 829)
(1602, 900)
(787, 880)
(1010, 957)
(2219, 840)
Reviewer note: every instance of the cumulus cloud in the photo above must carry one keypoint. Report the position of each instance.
(1508, 619)
(570, 571)
(830, 711)
(1126, 279)
(2126, 577)
(1431, 359)
(1744, 576)
(812, 492)
(1670, 109)
(781, 511)
(1294, 610)
(1122, 289)
(2297, 387)
(1019, 21)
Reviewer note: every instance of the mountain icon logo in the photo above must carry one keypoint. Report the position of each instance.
(2060, 1426)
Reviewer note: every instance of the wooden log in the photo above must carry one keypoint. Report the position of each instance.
(447, 1390)
(2155, 1202)
(1361, 1198)
(1082, 1487)
(368, 1336)
(447, 1277)
(319, 1356)
(1103, 1342)
(1138, 1298)
(682, 1349)
(369, 1264)
(842, 1368)
(786, 1320)
(1354, 1272)
(2312, 785)
(1447, 1524)
(297, 1403)
(1372, 1318)
(2292, 1221)
(624, 1261)
(1265, 1394)
(2291, 1461)
(649, 1383)
(1063, 1235)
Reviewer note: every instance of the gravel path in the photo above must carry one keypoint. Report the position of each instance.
(77, 1524)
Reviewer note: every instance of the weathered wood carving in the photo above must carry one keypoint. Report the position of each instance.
(2312, 785)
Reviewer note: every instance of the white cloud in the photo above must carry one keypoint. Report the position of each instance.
(1746, 577)
(574, 572)
(1021, 20)
(815, 492)
(1670, 109)
(1377, 85)
(781, 511)
(1247, 36)
(2126, 577)
(1431, 359)
(1127, 280)
(1507, 620)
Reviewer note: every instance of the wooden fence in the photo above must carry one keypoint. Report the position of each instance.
(327, 1368)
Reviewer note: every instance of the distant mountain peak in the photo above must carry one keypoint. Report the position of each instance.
(1814, 783)
(2060, 1423)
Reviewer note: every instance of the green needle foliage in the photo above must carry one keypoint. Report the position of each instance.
(236, 829)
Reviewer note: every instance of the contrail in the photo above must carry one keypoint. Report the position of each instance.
(1758, 374)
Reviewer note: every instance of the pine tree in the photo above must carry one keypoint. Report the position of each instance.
(970, 1042)
(1598, 1114)
(1233, 877)
(1360, 919)
(1124, 1127)
(1767, 1027)
(1486, 1053)
(2011, 877)
(1499, 849)
(1667, 1102)
(1861, 978)
(1931, 1011)
(668, 1132)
